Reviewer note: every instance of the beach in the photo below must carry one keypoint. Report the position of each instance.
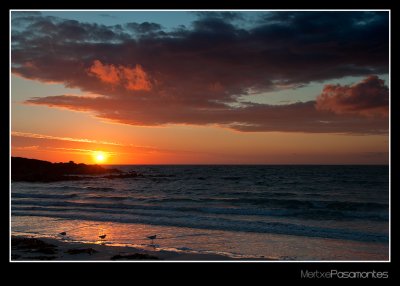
(25, 248)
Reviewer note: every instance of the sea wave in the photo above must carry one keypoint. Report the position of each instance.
(120, 205)
(200, 222)
(44, 196)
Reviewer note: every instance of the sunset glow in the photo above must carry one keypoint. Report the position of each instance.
(169, 93)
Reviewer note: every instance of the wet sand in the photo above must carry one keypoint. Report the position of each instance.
(25, 248)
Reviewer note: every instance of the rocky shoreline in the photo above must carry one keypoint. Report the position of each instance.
(32, 170)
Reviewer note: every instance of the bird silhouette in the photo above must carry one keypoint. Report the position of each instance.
(152, 237)
(102, 236)
(63, 233)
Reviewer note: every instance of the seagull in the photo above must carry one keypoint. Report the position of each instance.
(102, 236)
(63, 233)
(152, 237)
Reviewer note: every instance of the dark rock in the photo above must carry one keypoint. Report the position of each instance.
(26, 242)
(74, 251)
(46, 250)
(32, 245)
(42, 257)
(32, 170)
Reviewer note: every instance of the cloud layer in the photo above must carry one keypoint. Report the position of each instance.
(194, 75)
(369, 97)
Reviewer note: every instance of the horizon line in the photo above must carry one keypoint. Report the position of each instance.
(217, 164)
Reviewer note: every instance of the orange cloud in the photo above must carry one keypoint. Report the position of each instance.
(106, 73)
(35, 147)
(369, 97)
(131, 78)
(21, 139)
(41, 136)
(135, 79)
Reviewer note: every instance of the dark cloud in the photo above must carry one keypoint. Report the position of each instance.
(149, 76)
(225, 15)
(144, 27)
(369, 97)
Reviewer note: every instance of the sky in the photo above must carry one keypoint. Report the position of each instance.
(204, 87)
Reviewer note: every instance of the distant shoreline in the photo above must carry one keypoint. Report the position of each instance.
(32, 170)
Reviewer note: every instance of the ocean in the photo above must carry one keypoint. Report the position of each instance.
(299, 213)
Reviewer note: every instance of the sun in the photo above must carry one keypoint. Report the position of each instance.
(100, 157)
